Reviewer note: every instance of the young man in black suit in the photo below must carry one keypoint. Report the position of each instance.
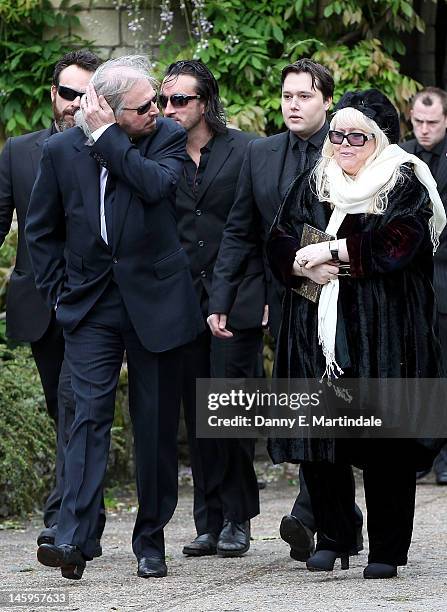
(28, 318)
(270, 165)
(103, 241)
(225, 486)
(429, 120)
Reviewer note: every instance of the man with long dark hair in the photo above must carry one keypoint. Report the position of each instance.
(225, 485)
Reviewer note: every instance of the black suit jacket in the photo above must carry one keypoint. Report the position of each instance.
(258, 198)
(440, 258)
(73, 264)
(201, 222)
(27, 315)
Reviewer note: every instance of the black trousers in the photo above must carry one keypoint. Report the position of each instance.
(390, 487)
(94, 352)
(302, 508)
(225, 483)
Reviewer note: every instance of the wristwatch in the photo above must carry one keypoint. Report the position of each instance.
(334, 252)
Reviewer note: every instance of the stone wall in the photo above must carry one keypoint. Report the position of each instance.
(115, 31)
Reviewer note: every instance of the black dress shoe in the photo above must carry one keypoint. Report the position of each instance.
(48, 535)
(441, 478)
(299, 537)
(152, 567)
(202, 546)
(69, 558)
(380, 570)
(234, 539)
(422, 474)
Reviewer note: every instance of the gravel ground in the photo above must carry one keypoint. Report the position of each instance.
(264, 579)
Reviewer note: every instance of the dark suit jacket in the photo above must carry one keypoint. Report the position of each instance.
(257, 201)
(73, 264)
(27, 315)
(440, 258)
(201, 222)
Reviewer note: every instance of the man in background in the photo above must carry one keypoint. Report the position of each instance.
(28, 318)
(225, 486)
(428, 116)
(270, 166)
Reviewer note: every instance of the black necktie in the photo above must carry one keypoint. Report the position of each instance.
(109, 197)
(426, 156)
(300, 152)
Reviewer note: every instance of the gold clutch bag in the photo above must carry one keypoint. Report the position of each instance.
(308, 288)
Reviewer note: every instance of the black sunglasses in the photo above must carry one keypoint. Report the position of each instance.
(67, 93)
(142, 110)
(177, 100)
(355, 139)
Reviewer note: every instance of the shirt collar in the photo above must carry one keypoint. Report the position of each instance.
(315, 140)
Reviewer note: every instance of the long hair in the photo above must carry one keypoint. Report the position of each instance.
(349, 117)
(207, 88)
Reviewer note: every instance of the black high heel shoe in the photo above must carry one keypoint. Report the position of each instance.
(324, 561)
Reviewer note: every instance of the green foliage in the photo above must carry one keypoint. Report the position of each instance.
(252, 40)
(7, 258)
(30, 45)
(27, 437)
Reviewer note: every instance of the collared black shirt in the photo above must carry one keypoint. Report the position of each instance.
(430, 157)
(301, 155)
(194, 174)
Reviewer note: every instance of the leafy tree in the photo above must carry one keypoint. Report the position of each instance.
(28, 52)
(252, 40)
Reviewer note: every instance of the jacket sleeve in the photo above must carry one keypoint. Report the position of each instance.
(6, 195)
(150, 179)
(45, 231)
(392, 246)
(241, 239)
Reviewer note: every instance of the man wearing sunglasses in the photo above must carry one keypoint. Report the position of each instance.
(105, 250)
(270, 166)
(28, 318)
(226, 493)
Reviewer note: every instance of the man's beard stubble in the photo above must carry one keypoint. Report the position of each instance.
(60, 119)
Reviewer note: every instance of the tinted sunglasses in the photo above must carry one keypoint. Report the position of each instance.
(142, 110)
(355, 139)
(67, 93)
(177, 100)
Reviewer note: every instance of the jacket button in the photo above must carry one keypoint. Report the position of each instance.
(115, 260)
(198, 212)
(203, 274)
(200, 243)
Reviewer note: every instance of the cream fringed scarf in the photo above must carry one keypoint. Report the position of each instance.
(354, 196)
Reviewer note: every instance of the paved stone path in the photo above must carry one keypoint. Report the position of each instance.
(265, 579)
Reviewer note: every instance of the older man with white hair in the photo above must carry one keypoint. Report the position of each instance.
(103, 242)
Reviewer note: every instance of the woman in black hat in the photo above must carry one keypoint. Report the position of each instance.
(373, 318)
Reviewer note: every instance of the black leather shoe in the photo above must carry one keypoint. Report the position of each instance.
(48, 535)
(441, 478)
(299, 537)
(234, 539)
(422, 474)
(324, 561)
(380, 570)
(152, 567)
(68, 558)
(202, 546)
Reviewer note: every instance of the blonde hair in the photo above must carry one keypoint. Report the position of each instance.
(352, 117)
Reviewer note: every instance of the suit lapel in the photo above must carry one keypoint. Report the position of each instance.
(119, 207)
(87, 170)
(273, 166)
(220, 151)
(35, 151)
(441, 174)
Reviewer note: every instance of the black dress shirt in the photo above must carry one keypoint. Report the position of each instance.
(194, 174)
(430, 157)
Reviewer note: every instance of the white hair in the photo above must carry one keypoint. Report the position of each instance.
(113, 79)
(347, 118)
